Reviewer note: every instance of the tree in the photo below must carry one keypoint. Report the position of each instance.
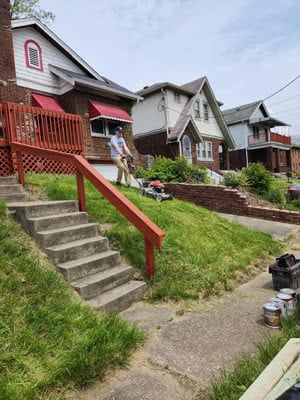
(30, 8)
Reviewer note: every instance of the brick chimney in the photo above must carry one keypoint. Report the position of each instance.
(7, 62)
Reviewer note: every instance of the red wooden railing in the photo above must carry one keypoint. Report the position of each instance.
(266, 137)
(153, 235)
(41, 128)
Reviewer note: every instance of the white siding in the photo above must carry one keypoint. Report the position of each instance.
(146, 115)
(211, 127)
(240, 133)
(35, 79)
(175, 108)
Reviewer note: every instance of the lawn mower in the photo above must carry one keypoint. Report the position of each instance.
(155, 189)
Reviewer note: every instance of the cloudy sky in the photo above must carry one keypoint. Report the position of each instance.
(248, 49)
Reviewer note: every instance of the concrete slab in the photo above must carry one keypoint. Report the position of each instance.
(147, 316)
(110, 172)
(278, 230)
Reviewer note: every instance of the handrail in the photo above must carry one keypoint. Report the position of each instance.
(153, 235)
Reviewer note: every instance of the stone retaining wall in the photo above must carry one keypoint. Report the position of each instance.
(229, 201)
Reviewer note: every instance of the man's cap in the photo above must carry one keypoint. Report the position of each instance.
(118, 129)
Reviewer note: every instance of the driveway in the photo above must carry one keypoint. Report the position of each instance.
(109, 172)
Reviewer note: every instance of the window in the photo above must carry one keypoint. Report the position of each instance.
(103, 127)
(197, 109)
(255, 131)
(186, 147)
(33, 55)
(205, 111)
(177, 98)
(204, 151)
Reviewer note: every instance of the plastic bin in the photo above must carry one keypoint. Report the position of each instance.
(285, 277)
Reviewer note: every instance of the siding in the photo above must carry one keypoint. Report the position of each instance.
(40, 80)
(175, 108)
(146, 116)
(240, 133)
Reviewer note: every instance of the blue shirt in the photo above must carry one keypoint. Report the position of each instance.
(120, 142)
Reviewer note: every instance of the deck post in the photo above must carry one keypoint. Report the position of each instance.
(21, 174)
(149, 253)
(80, 191)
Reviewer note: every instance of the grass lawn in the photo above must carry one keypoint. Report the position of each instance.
(49, 342)
(235, 382)
(201, 252)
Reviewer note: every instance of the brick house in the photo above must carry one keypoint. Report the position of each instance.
(250, 125)
(37, 68)
(185, 120)
(295, 158)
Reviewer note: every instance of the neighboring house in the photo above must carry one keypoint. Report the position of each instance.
(250, 125)
(185, 120)
(37, 68)
(295, 156)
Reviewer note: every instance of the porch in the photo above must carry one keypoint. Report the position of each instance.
(275, 159)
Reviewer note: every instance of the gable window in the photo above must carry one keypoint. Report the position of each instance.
(177, 98)
(205, 111)
(204, 151)
(33, 55)
(197, 109)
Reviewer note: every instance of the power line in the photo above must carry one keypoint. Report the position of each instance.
(282, 88)
(284, 100)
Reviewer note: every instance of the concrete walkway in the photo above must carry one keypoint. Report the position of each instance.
(185, 350)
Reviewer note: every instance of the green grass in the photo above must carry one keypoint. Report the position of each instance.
(201, 251)
(234, 383)
(50, 342)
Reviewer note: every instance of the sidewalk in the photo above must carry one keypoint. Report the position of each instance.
(184, 352)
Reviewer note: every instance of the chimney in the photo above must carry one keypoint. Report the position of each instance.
(7, 62)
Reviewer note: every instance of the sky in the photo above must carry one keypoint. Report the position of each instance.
(248, 49)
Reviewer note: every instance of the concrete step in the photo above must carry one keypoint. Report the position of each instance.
(99, 283)
(8, 180)
(77, 249)
(120, 297)
(68, 234)
(57, 221)
(11, 189)
(14, 197)
(44, 208)
(81, 267)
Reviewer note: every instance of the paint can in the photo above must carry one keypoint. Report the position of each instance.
(289, 301)
(272, 314)
(291, 292)
(281, 304)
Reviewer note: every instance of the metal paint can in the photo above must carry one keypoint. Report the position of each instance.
(289, 300)
(272, 313)
(281, 304)
(291, 292)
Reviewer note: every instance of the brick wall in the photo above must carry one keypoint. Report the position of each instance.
(229, 201)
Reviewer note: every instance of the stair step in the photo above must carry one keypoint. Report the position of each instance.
(45, 208)
(57, 221)
(11, 189)
(79, 248)
(99, 283)
(8, 180)
(84, 266)
(68, 234)
(120, 297)
(14, 197)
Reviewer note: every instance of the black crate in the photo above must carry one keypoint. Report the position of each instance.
(284, 277)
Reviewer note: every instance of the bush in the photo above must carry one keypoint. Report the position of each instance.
(275, 195)
(289, 175)
(258, 178)
(233, 180)
(167, 170)
(296, 203)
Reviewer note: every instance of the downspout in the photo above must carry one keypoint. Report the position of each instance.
(166, 110)
(246, 142)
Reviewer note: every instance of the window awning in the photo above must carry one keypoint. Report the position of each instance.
(110, 111)
(46, 102)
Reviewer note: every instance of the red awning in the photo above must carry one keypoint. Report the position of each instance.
(103, 110)
(46, 102)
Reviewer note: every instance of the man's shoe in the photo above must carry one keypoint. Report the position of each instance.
(118, 183)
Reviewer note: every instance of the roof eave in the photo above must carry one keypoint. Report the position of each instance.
(108, 90)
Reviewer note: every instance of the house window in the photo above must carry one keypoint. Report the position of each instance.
(33, 55)
(255, 131)
(101, 127)
(187, 151)
(204, 151)
(177, 98)
(205, 111)
(197, 109)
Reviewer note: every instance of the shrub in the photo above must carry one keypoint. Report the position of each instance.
(233, 180)
(289, 175)
(275, 195)
(167, 170)
(296, 203)
(258, 178)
